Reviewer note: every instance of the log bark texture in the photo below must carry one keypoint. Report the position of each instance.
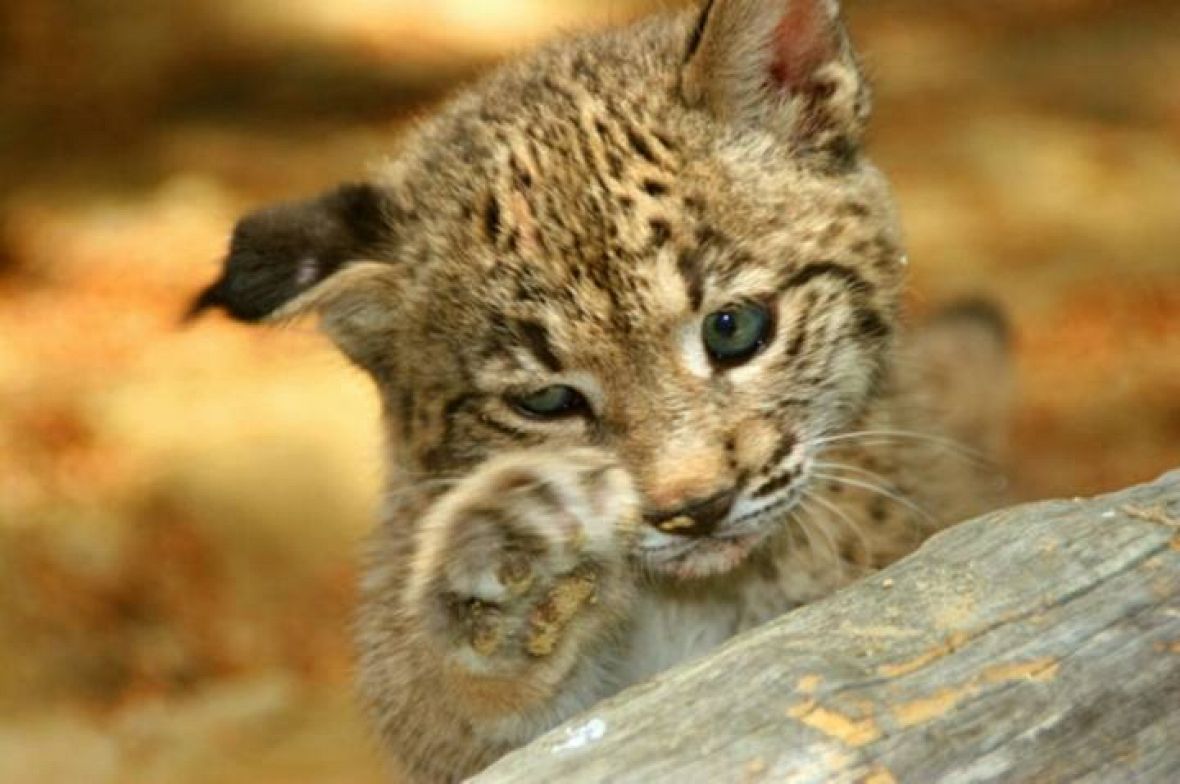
(1038, 643)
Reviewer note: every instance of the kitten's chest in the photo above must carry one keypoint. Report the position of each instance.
(668, 630)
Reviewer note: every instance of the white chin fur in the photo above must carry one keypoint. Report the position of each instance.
(705, 557)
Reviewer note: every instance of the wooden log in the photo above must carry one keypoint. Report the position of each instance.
(1039, 643)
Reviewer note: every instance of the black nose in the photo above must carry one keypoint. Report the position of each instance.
(696, 518)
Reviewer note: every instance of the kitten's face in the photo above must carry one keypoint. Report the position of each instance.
(577, 254)
(708, 329)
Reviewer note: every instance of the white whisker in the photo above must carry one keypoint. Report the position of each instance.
(917, 532)
(881, 491)
(856, 470)
(853, 527)
(809, 528)
(886, 436)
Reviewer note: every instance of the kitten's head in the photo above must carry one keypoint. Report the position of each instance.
(662, 241)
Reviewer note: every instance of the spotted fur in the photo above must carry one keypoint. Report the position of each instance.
(572, 220)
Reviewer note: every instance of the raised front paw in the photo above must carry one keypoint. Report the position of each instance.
(526, 557)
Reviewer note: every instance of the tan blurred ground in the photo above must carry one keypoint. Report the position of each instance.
(180, 509)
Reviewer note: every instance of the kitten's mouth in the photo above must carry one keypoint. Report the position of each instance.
(763, 512)
(687, 558)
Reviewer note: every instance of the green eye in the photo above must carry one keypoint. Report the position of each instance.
(736, 334)
(552, 402)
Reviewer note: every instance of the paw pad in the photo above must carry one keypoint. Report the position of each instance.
(557, 609)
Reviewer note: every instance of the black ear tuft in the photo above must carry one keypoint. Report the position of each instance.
(280, 252)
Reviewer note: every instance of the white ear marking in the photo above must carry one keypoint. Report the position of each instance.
(307, 272)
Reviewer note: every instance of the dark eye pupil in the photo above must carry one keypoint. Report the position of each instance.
(726, 324)
(735, 335)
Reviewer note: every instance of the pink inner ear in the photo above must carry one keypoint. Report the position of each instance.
(803, 41)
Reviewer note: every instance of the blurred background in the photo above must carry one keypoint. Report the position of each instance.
(180, 508)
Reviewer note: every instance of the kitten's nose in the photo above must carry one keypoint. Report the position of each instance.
(695, 518)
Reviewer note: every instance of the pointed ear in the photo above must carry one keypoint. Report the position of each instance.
(359, 309)
(278, 253)
(316, 256)
(783, 65)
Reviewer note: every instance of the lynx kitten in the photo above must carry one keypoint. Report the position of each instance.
(632, 308)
